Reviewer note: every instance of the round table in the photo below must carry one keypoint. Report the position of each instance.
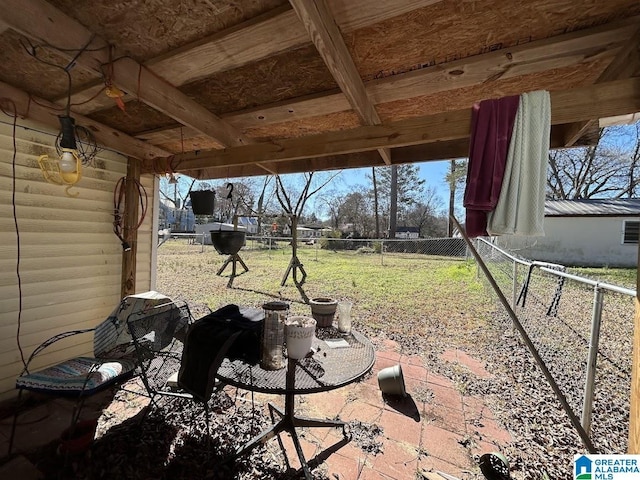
(336, 360)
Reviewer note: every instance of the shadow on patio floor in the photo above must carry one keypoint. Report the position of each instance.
(434, 429)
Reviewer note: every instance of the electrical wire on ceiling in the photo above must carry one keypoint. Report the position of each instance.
(85, 143)
(119, 206)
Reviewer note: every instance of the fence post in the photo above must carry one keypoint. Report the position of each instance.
(514, 301)
(594, 340)
(381, 252)
(202, 246)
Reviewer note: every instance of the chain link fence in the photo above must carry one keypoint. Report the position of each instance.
(582, 330)
(411, 249)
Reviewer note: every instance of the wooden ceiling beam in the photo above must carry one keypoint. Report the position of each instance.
(44, 23)
(556, 52)
(269, 34)
(42, 111)
(624, 65)
(326, 36)
(595, 101)
(534, 57)
(412, 154)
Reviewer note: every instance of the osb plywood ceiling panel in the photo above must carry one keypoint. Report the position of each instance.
(34, 76)
(148, 28)
(136, 118)
(249, 74)
(281, 77)
(311, 126)
(450, 30)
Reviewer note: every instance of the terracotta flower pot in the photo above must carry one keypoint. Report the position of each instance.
(323, 309)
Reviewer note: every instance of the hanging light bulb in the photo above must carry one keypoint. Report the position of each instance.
(172, 179)
(67, 169)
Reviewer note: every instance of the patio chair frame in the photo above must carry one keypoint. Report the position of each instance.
(138, 359)
(81, 395)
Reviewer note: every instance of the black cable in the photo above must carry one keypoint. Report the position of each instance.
(4, 102)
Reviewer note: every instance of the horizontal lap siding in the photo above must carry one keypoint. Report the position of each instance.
(70, 259)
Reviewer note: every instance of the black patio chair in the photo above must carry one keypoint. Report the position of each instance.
(116, 358)
(158, 337)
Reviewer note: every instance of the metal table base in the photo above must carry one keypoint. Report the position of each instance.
(288, 423)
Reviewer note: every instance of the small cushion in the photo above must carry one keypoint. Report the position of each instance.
(70, 377)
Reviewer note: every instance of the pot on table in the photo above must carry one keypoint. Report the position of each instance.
(323, 309)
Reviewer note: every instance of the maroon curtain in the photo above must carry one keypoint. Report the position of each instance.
(491, 127)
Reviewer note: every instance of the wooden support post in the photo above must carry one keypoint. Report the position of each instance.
(634, 411)
(130, 233)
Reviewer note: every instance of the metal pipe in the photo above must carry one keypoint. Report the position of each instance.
(525, 338)
(514, 300)
(593, 283)
(594, 340)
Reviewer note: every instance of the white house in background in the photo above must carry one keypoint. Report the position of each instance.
(584, 233)
(407, 232)
(306, 232)
(250, 223)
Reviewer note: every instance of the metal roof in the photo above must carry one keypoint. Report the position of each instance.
(592, 207)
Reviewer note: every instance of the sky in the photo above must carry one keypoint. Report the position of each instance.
(432, 172)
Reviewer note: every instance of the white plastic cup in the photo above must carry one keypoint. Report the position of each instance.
(299, 333)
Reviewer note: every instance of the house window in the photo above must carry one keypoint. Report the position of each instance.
(631, 230)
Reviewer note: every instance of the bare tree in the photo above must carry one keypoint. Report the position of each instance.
(357, 210)
(376, 210)
(455, 177)
(333, 200)
(608, 169)
(424, 215)
(294, 209)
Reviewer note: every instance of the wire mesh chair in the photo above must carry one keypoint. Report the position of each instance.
(114, 361)
(159, 335)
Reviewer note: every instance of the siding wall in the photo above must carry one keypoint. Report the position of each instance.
(578, 241)
(70, 261)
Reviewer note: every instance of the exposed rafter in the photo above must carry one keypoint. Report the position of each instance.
(45, 112)
(601, 100)
(326, 36)
(556, 52)
(415, 153)
(41, 21)
(624, 65)
(269, 34)
(551, 53)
